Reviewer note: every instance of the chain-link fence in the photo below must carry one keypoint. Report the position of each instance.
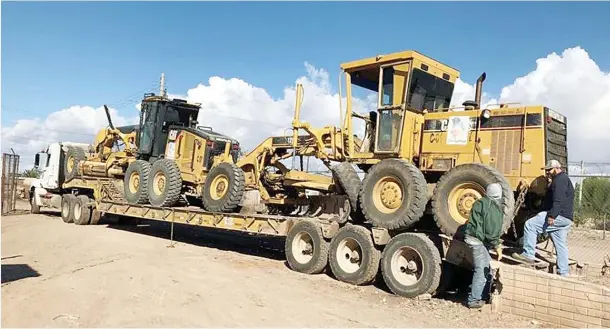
(589, 239)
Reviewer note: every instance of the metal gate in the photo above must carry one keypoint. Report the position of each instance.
(10, 169)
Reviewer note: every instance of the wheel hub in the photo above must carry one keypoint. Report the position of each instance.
(302, 248)
(461, 199)
(407, 266)
(465, 203)
(349, 255)
(388, 194)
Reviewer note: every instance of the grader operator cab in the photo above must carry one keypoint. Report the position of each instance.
(174, 154)
(415, 142)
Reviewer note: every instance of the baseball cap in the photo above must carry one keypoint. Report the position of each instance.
(552, 164)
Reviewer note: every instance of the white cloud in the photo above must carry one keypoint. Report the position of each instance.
(73, 124)
(570, 83)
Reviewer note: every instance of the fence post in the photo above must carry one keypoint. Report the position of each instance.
(582, 180)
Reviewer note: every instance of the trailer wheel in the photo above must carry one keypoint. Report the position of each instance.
(411, 265)
(164, 183)
(223, 188)
(306, 249)
(136, 181)
(459, 188)
(66, 207)
(81, 213)
(74, 155)
(353, 257)
(393, 194)
(350, 183)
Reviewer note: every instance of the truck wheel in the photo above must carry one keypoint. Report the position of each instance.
(164, 183)
(35, 208)
(66, 207)
(306, 249)
(74, 155)
(393, 194)
(353, 257)
(350, 183)
(411, 265)
(223, 188)
(459, 188)
(136, 181)
(81, 213)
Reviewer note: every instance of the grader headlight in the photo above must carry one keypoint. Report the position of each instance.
(486, 113)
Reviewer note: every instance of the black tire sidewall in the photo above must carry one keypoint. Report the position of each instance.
(367, 247)
(424, 285)
(396, 219)
(85, 212)
(458, 175)
(66, 201)
(318, 252)
(227, 170)
(162, 165)
(136, 167)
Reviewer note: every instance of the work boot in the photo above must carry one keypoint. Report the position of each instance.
(477, 304)
(522, 258)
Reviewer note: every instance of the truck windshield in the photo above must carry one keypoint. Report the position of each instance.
(428, 92)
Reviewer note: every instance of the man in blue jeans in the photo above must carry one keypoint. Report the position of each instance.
(556, 219)
(483, 230)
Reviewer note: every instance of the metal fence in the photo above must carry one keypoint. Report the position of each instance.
(10, 170)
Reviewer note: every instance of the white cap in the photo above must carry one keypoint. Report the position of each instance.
(494, 191)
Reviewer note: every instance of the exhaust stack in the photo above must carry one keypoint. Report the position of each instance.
(478, 93)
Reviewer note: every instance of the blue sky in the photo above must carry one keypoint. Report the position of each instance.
(55, 55)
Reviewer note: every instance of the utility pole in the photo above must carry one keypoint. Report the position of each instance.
(162, 90)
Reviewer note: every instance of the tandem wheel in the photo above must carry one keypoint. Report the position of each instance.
(306, 249)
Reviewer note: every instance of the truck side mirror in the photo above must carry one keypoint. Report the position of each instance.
(37, 160)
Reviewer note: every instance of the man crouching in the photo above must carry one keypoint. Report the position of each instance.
(483, 230)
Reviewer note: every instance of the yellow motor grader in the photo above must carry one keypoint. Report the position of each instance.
(415, 149)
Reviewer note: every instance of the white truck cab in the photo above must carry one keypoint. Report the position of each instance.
(47, 190)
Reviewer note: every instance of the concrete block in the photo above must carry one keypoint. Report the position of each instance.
(524, 299)
(574, 309)
(588, 319)
(550, 319)
(541, 302)
(524, 313)
(572, 323)
(588, 304)
(525, 285)
(564, 300)
(589, 288)
(574, 294)
(559, 283)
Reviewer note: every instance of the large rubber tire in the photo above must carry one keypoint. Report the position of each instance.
(350, 182)
(66, 207)
(411, 249)
(81, 213)
(479, 176)
(164, 183)
(398, 175)
(74, 155)
(306, 249)
(224, 188)
(350, 241)
(136, 181)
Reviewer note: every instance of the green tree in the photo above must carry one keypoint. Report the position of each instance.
(31, 173)
(595, 202)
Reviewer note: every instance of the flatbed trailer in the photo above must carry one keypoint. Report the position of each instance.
(411, 263)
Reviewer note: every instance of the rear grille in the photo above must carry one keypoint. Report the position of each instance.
(505, 147)
(556, 136)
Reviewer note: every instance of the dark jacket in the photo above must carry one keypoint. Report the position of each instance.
(559, 198)
(485, 223)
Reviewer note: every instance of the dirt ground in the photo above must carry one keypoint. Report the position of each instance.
(111, 275)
